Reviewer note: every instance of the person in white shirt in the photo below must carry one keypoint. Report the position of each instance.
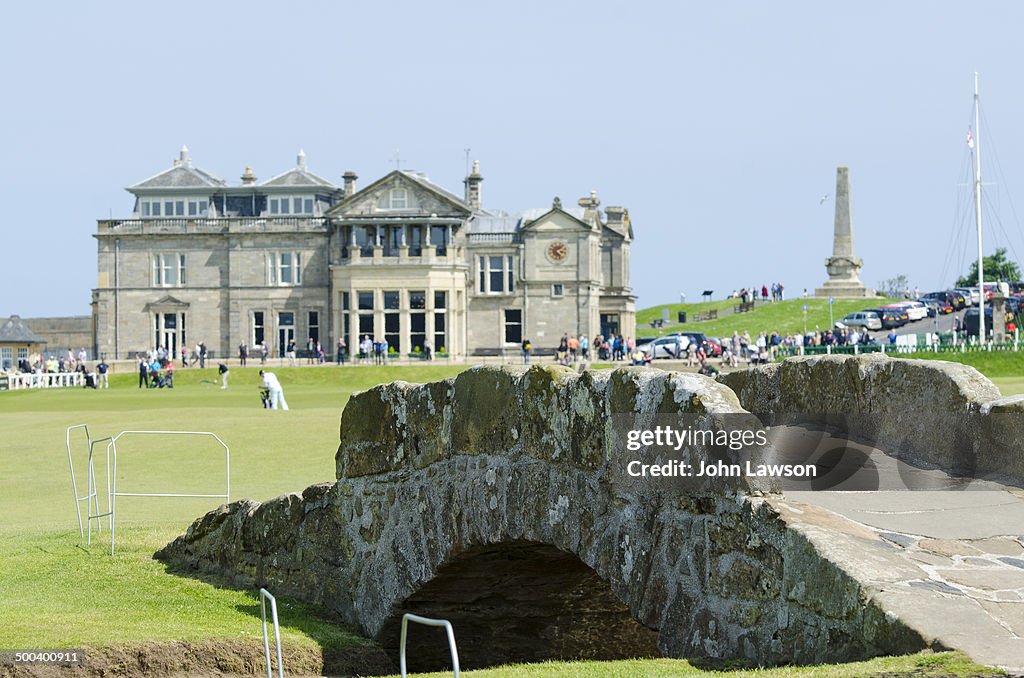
(271, 383)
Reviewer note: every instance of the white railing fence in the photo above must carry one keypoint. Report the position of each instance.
(17, 381)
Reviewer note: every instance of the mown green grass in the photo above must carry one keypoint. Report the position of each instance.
(784, 317)
(60, 592)
(1004, 367)
(918, 665)
(271, 452)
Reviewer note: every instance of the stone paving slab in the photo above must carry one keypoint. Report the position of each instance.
(948, 563)
(940, 515)
(979, 611)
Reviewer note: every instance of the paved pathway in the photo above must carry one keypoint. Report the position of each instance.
(949, 562)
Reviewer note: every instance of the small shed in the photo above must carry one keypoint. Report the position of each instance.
(17, 341)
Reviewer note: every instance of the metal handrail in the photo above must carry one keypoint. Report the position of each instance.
(265, 595)
(426, 621)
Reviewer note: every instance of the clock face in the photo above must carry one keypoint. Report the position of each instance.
(558, 251)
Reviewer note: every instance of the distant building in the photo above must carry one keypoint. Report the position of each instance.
(403, 259)
(17, 342)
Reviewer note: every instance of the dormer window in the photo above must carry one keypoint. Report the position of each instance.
(399, 199)
(175, 207)
(291, 205)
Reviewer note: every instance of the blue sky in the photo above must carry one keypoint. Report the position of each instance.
(719, 125)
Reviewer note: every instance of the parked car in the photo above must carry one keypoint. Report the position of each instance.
(937, 307)
(955, 300)
(915, 309)
(971, 318)
(969, 293)
(672, 347)
(712, 348)
(897, 313)
(868, 319)
(890, 316)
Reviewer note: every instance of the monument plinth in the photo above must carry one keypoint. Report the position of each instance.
(843, 266)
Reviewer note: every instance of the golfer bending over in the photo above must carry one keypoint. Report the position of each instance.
(271, 383)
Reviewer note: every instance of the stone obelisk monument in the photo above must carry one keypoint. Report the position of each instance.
(843, 266)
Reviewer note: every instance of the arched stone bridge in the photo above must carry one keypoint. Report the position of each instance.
(491, 499)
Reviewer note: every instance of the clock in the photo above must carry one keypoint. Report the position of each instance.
(558, 251)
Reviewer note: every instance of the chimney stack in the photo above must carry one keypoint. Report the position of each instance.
(474, 196)
(248, 178)
(349, 185)
(300, 160)
(590, 213)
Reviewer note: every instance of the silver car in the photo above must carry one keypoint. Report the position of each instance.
(868, 319)
(667, 347)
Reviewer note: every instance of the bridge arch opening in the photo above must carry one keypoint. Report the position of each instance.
(518, 602)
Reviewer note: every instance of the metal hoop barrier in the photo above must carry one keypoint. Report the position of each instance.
(91, 496)
(113, 494)
(406, 618)
(94, 513)
(265, 595)
(74, 485)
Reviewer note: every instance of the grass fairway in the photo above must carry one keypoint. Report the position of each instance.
(60, 592)
(271, 452)
(1003, 367)
(783, 316)
(917, 666)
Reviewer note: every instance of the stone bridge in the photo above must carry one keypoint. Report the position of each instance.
(494, 499)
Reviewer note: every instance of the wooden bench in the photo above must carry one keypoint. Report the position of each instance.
(709, 315)
(743, 308)
(658, 322)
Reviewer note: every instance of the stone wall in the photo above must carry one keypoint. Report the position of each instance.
(451, 481)
(62, 333)
(928, 412)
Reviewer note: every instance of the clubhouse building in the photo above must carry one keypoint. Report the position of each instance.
(402, 259)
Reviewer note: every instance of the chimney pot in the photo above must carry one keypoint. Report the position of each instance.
(349, 186)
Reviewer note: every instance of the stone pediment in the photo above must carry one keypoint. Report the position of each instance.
(166, 303)
(555, 220)
(401, 194)
(299, 178)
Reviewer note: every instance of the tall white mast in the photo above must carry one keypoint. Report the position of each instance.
(977, 211)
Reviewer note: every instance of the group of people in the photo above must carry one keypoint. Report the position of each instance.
(53, 363)
(572, 348)
(766, 347)
(154, 371)
(64, 363)
(377, 349)
(749, 294)
(260, 350)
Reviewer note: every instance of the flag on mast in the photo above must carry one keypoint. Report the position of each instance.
(970, 139)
